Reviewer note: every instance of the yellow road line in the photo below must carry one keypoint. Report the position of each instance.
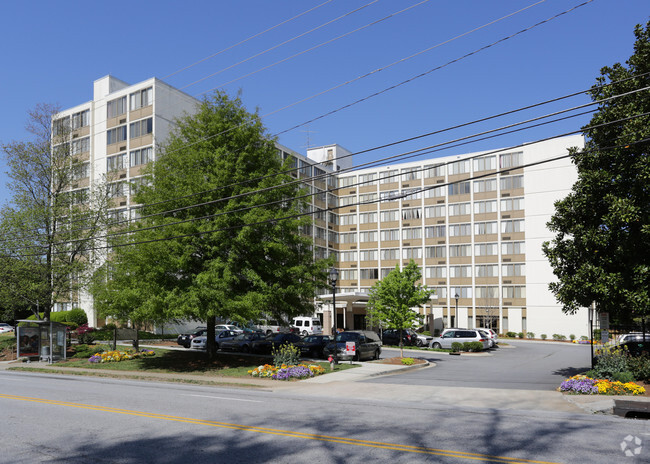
(286, 433)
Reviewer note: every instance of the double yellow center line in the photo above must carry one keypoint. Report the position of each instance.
(286, 433)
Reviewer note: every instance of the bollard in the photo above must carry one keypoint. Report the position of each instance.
(330, 359)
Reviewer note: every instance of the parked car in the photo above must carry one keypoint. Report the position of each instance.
(268, 344)
(491, 334)
(450, 336)
(307, 325)
(221, 336)
(632, 336)
(367, 345)
(186, 339)
(423, 340)
(391, 337)
(242, 342)
(272, 326)
(6, 328)
(313, 345)
(231, 327)
(635, 347)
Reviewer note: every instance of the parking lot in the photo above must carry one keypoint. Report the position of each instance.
(522, 365)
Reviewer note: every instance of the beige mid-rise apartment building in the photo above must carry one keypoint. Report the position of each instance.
(474, 223)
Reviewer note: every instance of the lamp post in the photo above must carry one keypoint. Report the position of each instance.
(334, 276)
(456, 315)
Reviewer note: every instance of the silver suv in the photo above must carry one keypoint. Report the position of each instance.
(450, 336)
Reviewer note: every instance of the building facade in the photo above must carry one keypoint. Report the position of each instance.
(473, 223)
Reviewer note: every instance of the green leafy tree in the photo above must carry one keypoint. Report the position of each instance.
(602, 228)
(393, 299)
(217, 238)
(50, 227)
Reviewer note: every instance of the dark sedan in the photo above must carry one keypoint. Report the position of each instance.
(391, 337)
(267, 345)
(242, 342)
(186, 339)
(312, 345)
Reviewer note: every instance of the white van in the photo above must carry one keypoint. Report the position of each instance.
(307, 325)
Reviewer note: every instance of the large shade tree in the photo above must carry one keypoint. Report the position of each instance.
(394, 300)
(601, 249)
(219, 234)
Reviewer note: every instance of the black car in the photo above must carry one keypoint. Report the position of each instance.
(636, 347)
(268, 344)
(367, 345)
(391, 337)
(313, 345)
(186, 339)
(241, 342)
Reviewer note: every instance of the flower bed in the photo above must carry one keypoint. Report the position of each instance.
(284, 372)
(583, 385)
(117, 356)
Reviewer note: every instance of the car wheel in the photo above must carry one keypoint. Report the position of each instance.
(376, 356)
(245, 349)
(419, 342)
(304, 333)
(268, 332)
(436, 345)
(357, 356)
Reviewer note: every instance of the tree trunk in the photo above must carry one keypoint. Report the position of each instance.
(210, 345)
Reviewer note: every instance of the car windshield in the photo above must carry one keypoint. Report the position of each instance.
(347, 337)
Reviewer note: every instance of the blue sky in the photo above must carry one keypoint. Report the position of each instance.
(53, 51)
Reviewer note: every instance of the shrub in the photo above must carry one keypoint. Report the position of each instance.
(584, 338)
(86, 351)
(556, 336)
(543, 336)
(520, 335)
(286, 354)
(511, 334)
(597, 333)
(639, 366)
(77, 316)
(611, 361)
(530, 335)
(474, 346)
(572, 337)
(408, 361)
(456, 347)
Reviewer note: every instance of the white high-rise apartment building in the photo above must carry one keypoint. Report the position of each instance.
(474, 223)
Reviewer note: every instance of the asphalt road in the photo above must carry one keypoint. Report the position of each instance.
(523, 366)
(67, 419)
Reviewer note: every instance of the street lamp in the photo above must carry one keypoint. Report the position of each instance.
(334, 276)
(456, 296)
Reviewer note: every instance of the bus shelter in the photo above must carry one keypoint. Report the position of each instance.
(44, 340)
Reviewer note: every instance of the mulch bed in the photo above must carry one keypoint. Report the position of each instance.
(397, 360)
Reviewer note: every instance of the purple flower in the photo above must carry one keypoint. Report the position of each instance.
(95, 359)
(584, 386)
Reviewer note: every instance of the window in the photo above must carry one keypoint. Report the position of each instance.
(81, 146)
(347, 256)
(512, 204)
(347, 219)
(411, 194)
(368, 236)
(322, 234)
(320, 195)
(138, 183)
(385, 271)
(61, 126)
(115, 135)
(332, 236)
(81, 171)
(140, 128)
(512, 270)
(435, 272)
(435, 231)
(412, 253)
(458, 167)
(348, 274)
(435, 192)
(486, 249)
(346, 201)
(511, 160)
(460, 230)
(116, 189)
(410, 174)
(487, 270)
(512, 182)
(389, 235)
(81, 119)
(485, 228)
(141, 98)
(462, 292)
(386, 177)
(142, 156)
(513, 248)
(349, 237)
(486, 163)
(440, 292)
(456, 251)
(368, 179)
(487, 292)
(388, 216)
(435, 252)
(368, 255)
(389, 253)
(118, 215)
(486, 185)
(80, 196)
(115, 108)
(460, 271)
(516, 225)
(459, 209)
(367, 218)
(347, 181)
(513, 291)
(390, 195)
(437, 170)
(411, 213)
(483, 207)
(368, 198)
(305, 168)
(369, 274)
(319, 214)
(412, 233)
(459, 188)
(116, 162)
(434, 211)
